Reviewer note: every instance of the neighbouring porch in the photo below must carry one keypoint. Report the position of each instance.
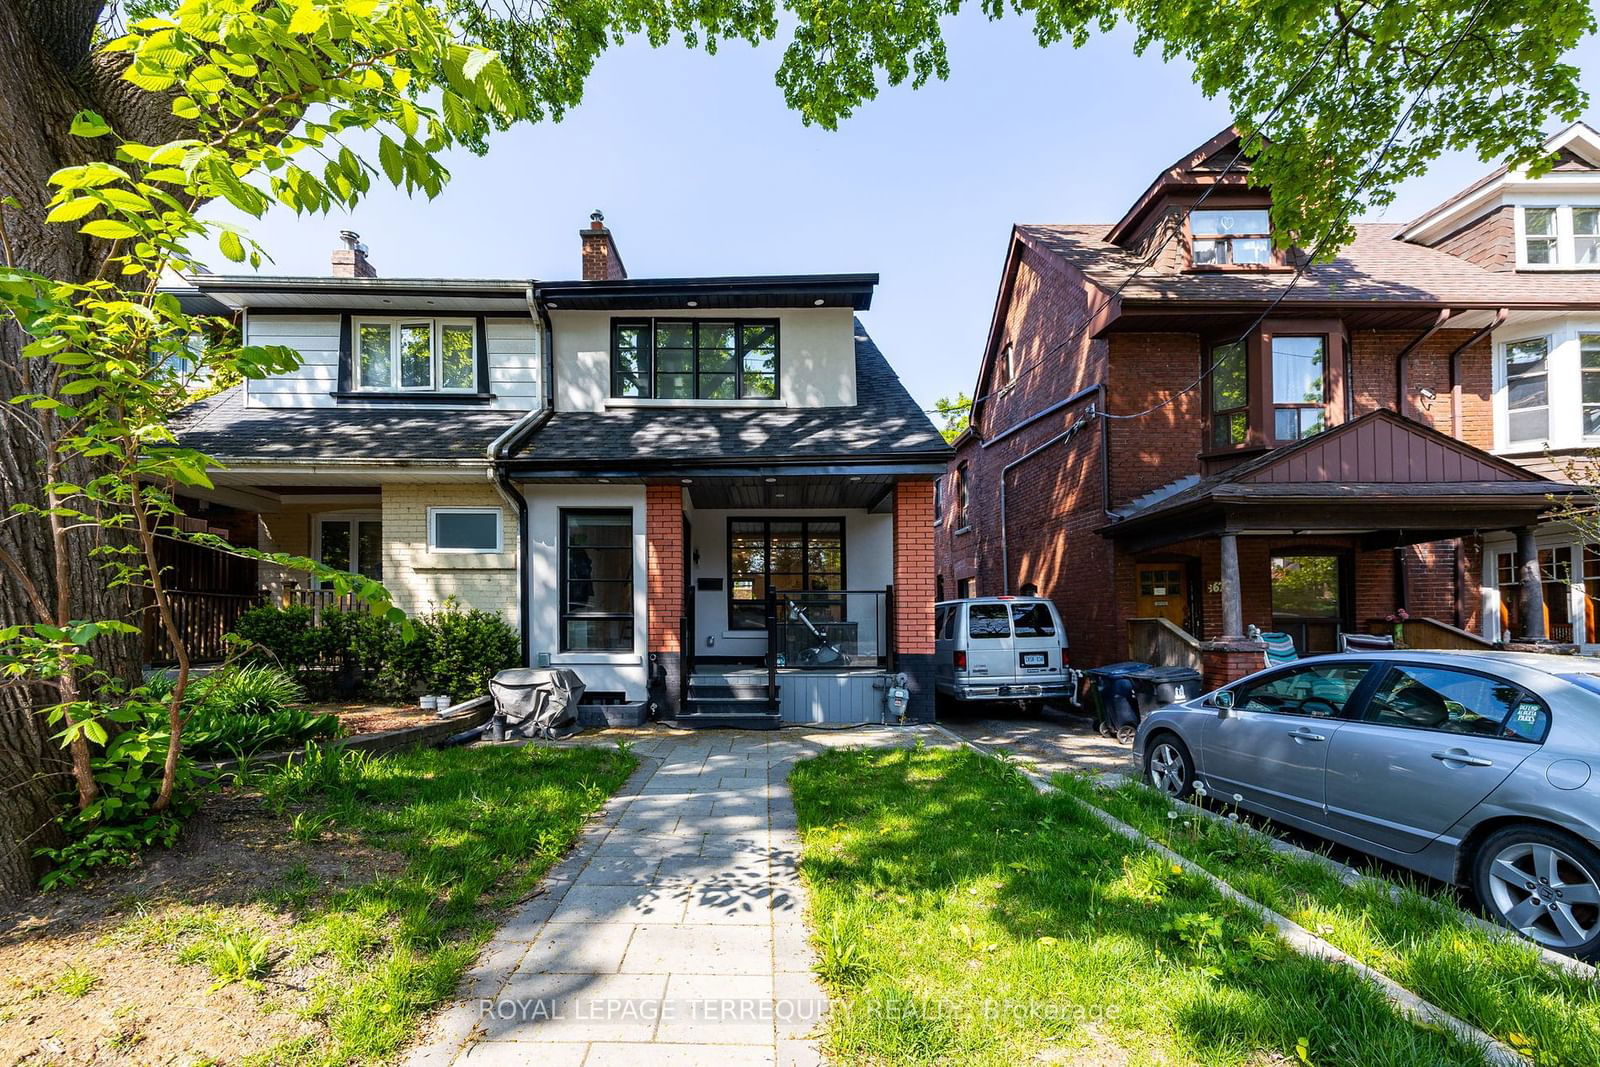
(1373, 527)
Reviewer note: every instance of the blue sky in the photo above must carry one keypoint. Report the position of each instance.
(701, 169)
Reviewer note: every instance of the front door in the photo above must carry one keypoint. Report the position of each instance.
(1163, 592)
(1432, 743)
(1272, 748)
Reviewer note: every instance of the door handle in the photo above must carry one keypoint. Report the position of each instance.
(1457, 756)
(1302, 734)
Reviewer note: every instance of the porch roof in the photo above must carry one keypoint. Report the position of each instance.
(1382, 476)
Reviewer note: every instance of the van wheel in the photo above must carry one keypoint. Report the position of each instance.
(1031, 709)
(1544, 884)
(1168, 766)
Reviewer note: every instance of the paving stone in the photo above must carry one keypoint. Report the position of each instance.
(729, 903)
(523, 1054)
(549, 1007)
(799, 1054)
(801, 1004)
(699, 950)
(609, 1054)
(577, 948)
(619, 870)
(622, 904)
(718, 1008)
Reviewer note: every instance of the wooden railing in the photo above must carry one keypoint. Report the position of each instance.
(202, 618)
(1422, 633)
(318, 600)
(1162, 643)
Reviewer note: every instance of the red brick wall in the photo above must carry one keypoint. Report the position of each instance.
(913, 567)
(1372, 356)
(1151, 370)
(1489, 240)
(663, 532)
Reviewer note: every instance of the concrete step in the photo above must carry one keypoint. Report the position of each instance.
(728, 689)
(735, 718)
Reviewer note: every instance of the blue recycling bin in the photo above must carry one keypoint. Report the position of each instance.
(1115, 708)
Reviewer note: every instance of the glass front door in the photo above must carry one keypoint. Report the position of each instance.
(351, 544)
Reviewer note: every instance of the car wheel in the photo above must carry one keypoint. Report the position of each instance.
(1544, 884)
(1168, 766)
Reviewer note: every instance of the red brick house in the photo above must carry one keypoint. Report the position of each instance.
(1175, 437)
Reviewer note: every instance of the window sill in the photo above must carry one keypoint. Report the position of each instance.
(596, 659)
(419, 397)
(650, 402)
(1559, 268)
(959, 530)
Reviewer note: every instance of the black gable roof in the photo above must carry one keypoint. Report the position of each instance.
(885, 426)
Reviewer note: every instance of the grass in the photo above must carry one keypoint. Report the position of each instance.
(962, 918)
(1418, 936)
(473, 831)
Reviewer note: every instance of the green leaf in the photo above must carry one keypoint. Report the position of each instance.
(307, 18)
(231, 246)
(89, 124)
(185, 108)
(393, 165)
(76, 208)
(108, 229)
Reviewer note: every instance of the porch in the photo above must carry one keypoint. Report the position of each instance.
(1337, 534)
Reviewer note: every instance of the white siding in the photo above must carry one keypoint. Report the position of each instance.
(515, 369)
(816, 357)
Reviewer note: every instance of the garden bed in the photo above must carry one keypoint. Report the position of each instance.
(961, 917)
(313, 915)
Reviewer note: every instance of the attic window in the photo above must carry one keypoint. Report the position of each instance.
(1559, 236)
(1225, 238)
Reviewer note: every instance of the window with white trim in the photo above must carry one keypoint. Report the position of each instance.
(351, 543)
(1564, 236)
(464, 530)
(416, 355)
(1528, 389)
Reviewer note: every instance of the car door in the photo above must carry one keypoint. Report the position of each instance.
(1271, 747)
(1036, 638)
(989, 651)
(1430, 744)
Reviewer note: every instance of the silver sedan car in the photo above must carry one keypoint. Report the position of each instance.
(1472, 768)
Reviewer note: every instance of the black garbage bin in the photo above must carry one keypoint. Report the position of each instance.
(1156, 687)
(1115, 710)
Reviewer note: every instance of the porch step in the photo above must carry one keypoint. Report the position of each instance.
(697, 719)
(735, 703)
(714, 688)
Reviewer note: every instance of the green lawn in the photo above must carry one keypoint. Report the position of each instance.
(962, 918)
(464, 834)
(1421, 940)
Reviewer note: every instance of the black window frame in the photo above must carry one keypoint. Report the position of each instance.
(563, 610)
(648, 369)
(805, 522)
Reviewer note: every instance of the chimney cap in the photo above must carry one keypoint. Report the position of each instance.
(352, 240)
(597, 219)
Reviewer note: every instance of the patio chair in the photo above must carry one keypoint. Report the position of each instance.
(1280, 648)
(1365, 642)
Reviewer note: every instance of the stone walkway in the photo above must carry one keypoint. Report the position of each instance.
(1052, 744)
(674, 933)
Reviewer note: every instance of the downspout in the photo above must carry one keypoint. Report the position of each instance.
(1455, 431)
(1400, 361)
(1065, 435)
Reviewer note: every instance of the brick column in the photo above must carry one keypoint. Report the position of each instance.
(913, 592)
(1228, 660)
(664, 548)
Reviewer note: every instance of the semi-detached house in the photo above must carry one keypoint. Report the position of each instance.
(1180, 432)
(713, 493)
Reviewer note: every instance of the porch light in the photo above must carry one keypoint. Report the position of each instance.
(687, 481)
(817, 302)
(694, 303)
(771, 480)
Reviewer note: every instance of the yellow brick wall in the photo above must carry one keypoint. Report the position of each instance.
(420, 580)
(287, 531)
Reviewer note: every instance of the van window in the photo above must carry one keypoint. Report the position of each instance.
(1033, 620)
(944, 622)
(988, 622)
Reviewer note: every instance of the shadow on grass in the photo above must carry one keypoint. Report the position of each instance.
(963, 918)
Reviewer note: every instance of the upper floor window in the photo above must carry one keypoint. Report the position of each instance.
(1221, 238)
(420, 354)
(938, 501)
(1589, 354)
(1008, 365)
(1565, 235)
(694, 359)
(961, 496)
(1230, 394)
(1299, 390)
(1527, 389)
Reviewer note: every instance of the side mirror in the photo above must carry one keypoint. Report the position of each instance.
(1222, 700)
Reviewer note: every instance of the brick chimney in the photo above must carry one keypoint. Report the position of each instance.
(351, 260)
(601, 260)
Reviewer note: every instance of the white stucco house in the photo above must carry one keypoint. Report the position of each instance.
(712, 493)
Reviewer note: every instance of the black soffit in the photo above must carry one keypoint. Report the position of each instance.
(852, 291)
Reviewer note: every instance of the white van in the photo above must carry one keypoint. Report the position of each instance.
(1000, 648)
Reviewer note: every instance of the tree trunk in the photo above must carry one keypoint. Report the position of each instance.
(48, 74)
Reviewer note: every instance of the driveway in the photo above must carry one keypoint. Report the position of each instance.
(1053, 743)
(674, 933)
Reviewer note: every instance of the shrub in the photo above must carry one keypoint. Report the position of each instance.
(217, 734)
(284, 636)
(463, 650)
(250, 689)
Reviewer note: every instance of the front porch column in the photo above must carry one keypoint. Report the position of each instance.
(913, 593)
(1533, 628)
(1232, 607)
(664, 557)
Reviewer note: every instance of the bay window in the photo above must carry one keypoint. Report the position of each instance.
(694, 359)
(1299, 396)
(1586, 236)
(1230, 420)
(1527, 389)
(1589, 355)
(1221, 238)
(416, 354)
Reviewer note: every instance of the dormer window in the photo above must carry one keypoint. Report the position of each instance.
(1564, 236)
(416, 355)
(1227, 238)
(694, 359)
